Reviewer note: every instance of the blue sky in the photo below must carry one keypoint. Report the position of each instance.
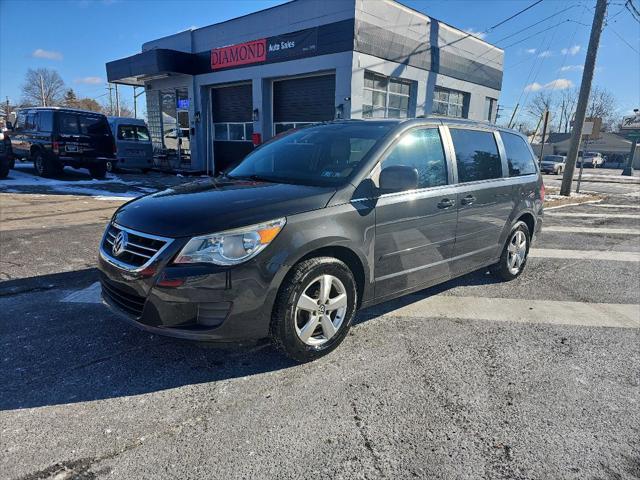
(78, 37)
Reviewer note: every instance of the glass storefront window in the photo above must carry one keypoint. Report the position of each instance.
(385, 97)
(450, 103)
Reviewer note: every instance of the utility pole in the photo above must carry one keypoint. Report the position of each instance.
(109, 87)
(44, 101)
(583, 97)
(6, 111)
(515, 110)
(544, 132)
(117, 101)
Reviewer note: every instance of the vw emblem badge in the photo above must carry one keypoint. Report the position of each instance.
(120, 243)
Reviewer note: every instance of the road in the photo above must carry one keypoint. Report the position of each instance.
(536, 378)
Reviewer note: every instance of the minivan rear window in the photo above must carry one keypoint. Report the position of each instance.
(68, 123)
(476, 155)
(133, 133)
(519, 157)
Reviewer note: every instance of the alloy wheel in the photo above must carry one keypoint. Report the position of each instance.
(321, 310)
(517, 252)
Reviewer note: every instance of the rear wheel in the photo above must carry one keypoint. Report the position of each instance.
(314, 308)
(514, 255)
(111, 166)
(45, 166)
(98, 171)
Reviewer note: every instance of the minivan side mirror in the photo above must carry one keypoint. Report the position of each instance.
(398, 178)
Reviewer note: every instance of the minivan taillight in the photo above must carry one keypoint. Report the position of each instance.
(55, 146)
(542, 192)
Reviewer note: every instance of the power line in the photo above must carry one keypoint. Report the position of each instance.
(494, 26)
(622, 38)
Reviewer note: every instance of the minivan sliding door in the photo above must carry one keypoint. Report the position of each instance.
(415, 230)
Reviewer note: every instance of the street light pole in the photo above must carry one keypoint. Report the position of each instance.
(583, 98)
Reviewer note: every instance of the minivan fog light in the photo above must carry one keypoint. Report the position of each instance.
(232, 246)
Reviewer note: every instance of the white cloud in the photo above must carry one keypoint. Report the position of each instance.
(46, 54)
(533, 87)
(531, 50)
(475, 33)
(89, 80)
(557, 84)
(572, 68)
(571, 50)
(545, 54)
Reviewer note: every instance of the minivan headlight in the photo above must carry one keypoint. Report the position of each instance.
(232, 246)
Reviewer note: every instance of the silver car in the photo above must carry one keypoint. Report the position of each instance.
(553, 164)
(133, 144)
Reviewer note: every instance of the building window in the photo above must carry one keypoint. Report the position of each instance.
(450, 103)
(233, 131)
(385, 97)
(281, 127)
(490, 109)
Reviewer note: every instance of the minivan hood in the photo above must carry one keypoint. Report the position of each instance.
(211, 205)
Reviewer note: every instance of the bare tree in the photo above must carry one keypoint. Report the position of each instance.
(541, 102)
(567, 106)
(602, 104)
(43, 87)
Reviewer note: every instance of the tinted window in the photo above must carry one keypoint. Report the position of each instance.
(316, 155)
(519, 156)
(476, 154)
(68, 123)
(30, 123)
(143, 133)
(422, 150)
(90, 125)
(21, 119)
(45, 121)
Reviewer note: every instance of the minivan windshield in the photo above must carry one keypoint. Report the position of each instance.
(321, 155)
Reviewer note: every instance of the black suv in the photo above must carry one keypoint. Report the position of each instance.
(55, 137)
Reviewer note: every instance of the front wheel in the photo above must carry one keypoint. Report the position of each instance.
(314, 308)
(514, 255)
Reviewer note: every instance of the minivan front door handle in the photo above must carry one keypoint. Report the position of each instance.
(468, 200)
(446, 203)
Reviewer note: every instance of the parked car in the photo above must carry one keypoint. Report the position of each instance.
(591, 159)
(553, 164)
(54, 137)
(7, 162)
(318, 223)
(133, 144)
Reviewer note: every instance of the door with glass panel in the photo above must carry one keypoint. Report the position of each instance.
(415, 230)
(484, 197)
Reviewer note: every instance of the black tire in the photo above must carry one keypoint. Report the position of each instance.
(98, 171)
(503, 270)
(111, 166)
(44, 165)
(146, 170)
(4, 169)
(12, 163)
(298, 281)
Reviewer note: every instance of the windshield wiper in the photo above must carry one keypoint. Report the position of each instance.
(254, 177)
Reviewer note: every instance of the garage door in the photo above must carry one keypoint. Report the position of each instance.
(299, 101)
(231, 108)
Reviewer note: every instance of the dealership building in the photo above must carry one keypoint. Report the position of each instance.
(214, 92)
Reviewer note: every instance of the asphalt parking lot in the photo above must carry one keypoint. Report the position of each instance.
(534, 379)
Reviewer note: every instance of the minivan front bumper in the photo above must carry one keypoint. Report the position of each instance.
(193, 302)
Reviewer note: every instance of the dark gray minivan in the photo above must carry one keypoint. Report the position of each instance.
(320, 222)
